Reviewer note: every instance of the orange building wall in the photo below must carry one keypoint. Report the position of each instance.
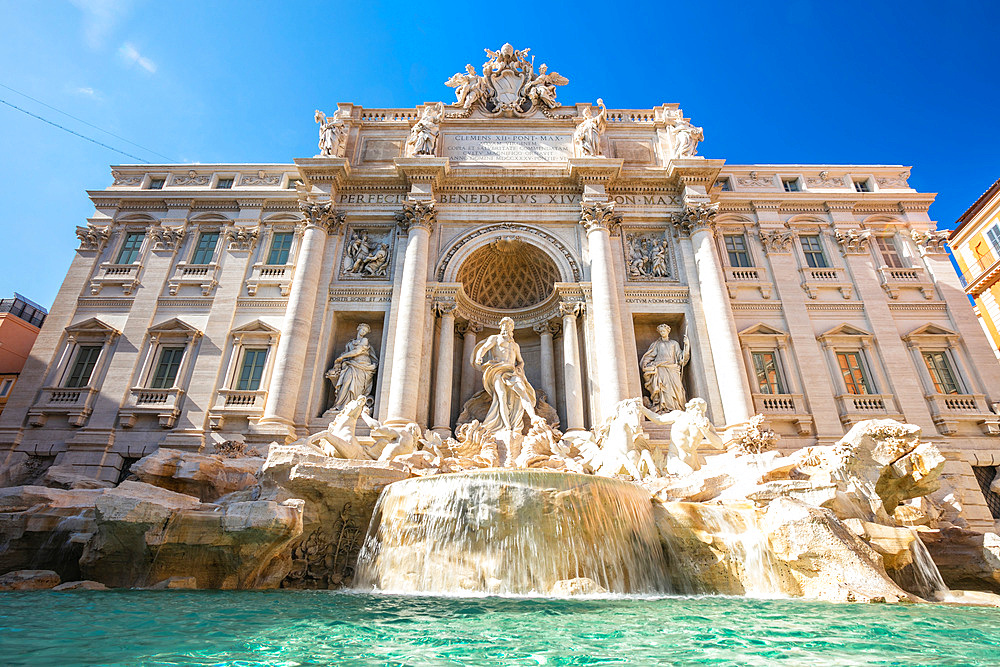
(16, 339)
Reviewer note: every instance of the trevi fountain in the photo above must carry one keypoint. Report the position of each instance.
(656, 536)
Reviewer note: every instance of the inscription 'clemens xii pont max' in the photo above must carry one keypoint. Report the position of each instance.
(508, 147)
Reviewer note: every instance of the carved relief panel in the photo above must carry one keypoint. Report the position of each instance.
(649, 255)
(367, 252)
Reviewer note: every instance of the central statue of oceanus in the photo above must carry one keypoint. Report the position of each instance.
(499, 358)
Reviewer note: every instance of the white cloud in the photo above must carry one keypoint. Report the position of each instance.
(90, 92)
(132, 56)
(100, 17)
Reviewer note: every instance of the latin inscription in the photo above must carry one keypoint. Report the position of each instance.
(508, 147)
(514, 198)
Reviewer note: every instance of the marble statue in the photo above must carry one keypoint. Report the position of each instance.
(392, 441)
(662, 369)
(470, 88)
(587, 136)
(424, 133)
(499, 359)
(338, 440)
(621, 446)
(686, 138)
(690, 428)
(332, 134)
(365, 256)
(542, 89)
(353, 372)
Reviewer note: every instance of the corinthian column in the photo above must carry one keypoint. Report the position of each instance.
(697, 219)
(416, 220)
(445, 361)
(283, 391)
(469, 331)
(572, 375)
(545, 330)
(598, 218)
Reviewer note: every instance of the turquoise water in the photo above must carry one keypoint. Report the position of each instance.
(319, 627)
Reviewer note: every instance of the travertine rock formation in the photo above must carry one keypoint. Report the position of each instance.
(207, 478)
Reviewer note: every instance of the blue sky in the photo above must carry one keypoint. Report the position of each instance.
(790, 82)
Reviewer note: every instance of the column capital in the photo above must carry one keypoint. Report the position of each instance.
(242, 239)
(550, 327)
(776, 240)
(853, 241)
(931, 243)
(599, 215)
(572, 308)
(442, 307)
(93, 237)
(695, 217)
(322, 215)
(469, 327)
(165, 238)
(422, 214)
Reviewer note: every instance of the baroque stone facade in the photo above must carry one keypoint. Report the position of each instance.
(214, 304)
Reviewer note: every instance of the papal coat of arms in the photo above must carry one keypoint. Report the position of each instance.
(508, 86)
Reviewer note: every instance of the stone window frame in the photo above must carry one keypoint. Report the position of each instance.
(149, 177)
(948, 410)
(911, 275)
(75, 402)
(165, 403)
(815, 280)
(186, 272)
(881, 403)
(109, 271)
(278, 275)
(789, 406)
(230, 401)
(218, 176)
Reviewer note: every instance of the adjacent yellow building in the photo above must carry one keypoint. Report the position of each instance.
(975, 243)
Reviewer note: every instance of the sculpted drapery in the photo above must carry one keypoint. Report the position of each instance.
(499, 359)
(353, 372)
(662, 370)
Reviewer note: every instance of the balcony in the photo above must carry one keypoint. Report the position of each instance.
(270, 275)
(236, 403)
(785, 407)
(125, 276)
(828, 277)
(201, 275)
(895, 279)
(76, 404)
(164, 404)
(854, 408)
(747, 276)
(950, 410)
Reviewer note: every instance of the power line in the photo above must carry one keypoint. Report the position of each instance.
(93, 141)
(170, 159)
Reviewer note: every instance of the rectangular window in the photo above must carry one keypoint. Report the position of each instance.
(130, 248)
(862, 186)
(281, 244)
(725, 184)
(813, 250)
(890, 254)
(993, 234)
(156, 183)
(855, 377)
(83, 367)
(205, 250)
(166, 369)
(941, 372)
(736, 248)
(765, 364)
(252, 369)
(790, 184)
(5, 387)
(224, 183)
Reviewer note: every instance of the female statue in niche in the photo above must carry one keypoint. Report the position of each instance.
(662, 367)
(499, 358)
(353, 372)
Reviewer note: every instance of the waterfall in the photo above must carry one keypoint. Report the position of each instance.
(512, 532)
